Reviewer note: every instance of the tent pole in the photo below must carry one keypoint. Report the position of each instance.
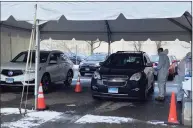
(37, 48)
(109, 36)
(109, 48)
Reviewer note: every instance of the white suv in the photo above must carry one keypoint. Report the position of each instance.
(54, 67)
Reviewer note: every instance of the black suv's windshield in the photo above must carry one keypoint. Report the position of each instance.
(124, 61)
(22, 57)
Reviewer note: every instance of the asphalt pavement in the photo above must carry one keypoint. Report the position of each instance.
(67, 109)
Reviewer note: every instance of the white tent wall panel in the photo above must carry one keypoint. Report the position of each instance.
(13, 41)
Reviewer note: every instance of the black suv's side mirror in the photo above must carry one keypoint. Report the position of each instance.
(101, 63)
(149, 65)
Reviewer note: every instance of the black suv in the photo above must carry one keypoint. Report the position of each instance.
(124, 75)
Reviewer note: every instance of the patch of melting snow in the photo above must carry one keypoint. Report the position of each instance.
(70, 112)
(9, 111)
(71, 105)
(155, 122)
(111, 106)
(32, 119)
(103, 119)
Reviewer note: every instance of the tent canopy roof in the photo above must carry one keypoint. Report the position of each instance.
(92, 20)
(47, 11)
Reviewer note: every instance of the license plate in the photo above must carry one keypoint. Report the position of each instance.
(112, 90)
(9, 80)
(87, 69)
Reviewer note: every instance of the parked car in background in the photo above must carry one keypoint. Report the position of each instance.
(172, 69)
(127, 75)
(91, 63)
(76, 59)
(54, 67)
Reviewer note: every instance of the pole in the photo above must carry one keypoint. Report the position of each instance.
(76, 54)
(37, 48)
(109, 47)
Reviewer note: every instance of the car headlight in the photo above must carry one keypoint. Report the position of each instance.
(97, 64)
(96, 75)
(136, 76)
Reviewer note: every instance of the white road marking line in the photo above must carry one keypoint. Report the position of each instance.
(32, 119)
(103, 119)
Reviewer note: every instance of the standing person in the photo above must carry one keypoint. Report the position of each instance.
(181, 76)
(162, 68)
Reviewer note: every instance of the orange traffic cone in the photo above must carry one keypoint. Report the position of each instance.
(173, 113)
(41, 101)
(78, 87)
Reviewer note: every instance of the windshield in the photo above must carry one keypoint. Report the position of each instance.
(22, 57)
(154, 58)
(96, 58)
(124, 61)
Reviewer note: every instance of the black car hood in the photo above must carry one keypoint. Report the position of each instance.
(115, 71)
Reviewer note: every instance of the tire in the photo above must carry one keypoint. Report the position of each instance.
(46, 83)
(143, 94)
(82, 73)
(69, 78)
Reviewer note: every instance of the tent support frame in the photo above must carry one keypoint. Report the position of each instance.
(109, 36)
(37, 56)
(180, 25)
(185, 15)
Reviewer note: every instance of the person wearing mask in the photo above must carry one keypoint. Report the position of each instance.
(162, 69)
(181, 77)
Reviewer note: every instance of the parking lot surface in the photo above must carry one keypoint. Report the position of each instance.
(78, 110)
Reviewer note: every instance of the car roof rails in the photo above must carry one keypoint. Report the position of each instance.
(130, 52)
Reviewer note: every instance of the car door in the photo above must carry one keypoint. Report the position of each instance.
(64, 66)
(148, 71)
(53, 67)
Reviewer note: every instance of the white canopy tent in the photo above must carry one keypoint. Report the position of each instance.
(106, 21)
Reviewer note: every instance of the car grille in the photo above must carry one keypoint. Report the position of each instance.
(14, 72)
(114, 80)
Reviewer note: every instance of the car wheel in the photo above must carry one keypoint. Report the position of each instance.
(82, 73)
(143, 94)
(69, 78)
(46, 81)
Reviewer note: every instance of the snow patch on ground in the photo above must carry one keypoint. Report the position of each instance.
(112, 106)
(8, 111)
(103, 119)
(71, 105)
(32, 118)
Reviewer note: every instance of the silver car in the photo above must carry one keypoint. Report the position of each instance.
(54, 67)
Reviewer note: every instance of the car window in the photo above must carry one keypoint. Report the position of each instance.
(22, 57)
(147, 58)
(63, 57)
(124, 61)
(53, 57)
